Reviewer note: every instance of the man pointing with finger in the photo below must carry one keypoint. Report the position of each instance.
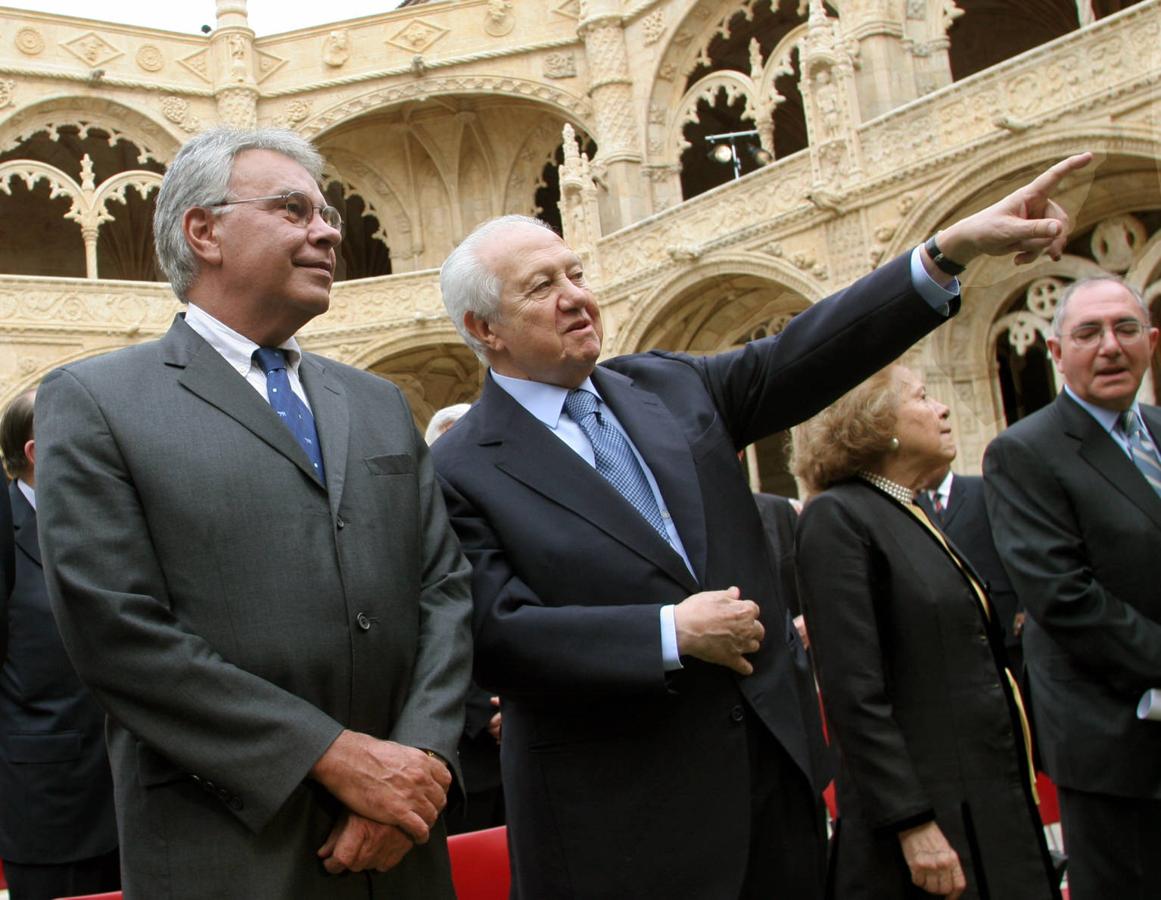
(661, 736)
(251, 566)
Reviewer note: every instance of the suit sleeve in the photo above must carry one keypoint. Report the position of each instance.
(165, 684)
(779, 381)
(433, 715)
(7, 564)
(525, 647)
(1042, 546)
(838, 583)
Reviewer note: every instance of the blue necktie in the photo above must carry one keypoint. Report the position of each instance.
(294, 413)
(1142, 448)
(615, 458)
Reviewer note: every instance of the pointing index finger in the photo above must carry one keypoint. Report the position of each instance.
(1048, 181)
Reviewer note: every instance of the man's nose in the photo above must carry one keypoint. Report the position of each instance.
(321, 232)
(571, 295)
(1108, 341)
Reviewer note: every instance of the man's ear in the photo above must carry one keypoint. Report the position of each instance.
(1054, 349)
(199, 225)
(30, 450)
(481, 330)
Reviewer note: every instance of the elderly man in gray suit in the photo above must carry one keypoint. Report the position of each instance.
(251, 564)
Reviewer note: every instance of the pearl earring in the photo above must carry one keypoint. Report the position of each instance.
(894, 443)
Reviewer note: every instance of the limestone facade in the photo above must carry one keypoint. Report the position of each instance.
(859, 128)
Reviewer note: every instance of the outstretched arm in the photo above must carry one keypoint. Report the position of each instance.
(1027, 222)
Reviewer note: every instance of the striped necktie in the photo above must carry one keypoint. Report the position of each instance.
(1141, 446)
(615, 458)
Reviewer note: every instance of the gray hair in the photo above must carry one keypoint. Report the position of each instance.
(468, 285)
(200, 175)
(1073, 289)
(443, 420)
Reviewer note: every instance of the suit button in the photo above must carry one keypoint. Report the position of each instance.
(737, 714)
(195, 779)
(235, 802)
(340, 523)
(364, 621)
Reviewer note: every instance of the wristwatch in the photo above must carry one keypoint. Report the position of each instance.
(945, 265)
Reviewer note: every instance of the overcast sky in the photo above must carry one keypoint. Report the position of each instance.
(188, 16)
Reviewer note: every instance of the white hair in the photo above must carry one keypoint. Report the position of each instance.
(443, 420)
(468, 285)
(200, 175)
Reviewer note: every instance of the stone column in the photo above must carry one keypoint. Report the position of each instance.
(885, 77)
(232, 64)
(611, 88)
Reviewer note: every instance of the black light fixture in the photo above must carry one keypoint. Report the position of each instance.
(724, 149)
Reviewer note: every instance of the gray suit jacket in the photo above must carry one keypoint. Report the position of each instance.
(233, 616)
(1079, 531)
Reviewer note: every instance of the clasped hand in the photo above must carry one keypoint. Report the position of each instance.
(719, 627)
(393, 795)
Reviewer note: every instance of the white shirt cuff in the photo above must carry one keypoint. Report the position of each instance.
(937, 296)
(670, 658)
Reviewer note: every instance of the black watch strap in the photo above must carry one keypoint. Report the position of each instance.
(945, 265)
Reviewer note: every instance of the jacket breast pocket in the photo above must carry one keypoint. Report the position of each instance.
(62, 746)
(390, 464)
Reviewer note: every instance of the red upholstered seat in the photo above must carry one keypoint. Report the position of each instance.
(111, 895)
(479, 864)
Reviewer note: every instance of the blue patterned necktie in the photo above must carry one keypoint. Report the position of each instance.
(615, 458)
(1142, 448)
(294, 413)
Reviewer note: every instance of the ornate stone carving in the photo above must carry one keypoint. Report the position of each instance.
(296, 111)
(1117, 242)
(199, 64)
(498, 18)
(268, 64)
(337, 48)
(570, 9)
(238, 107)
(177, 110)
(654, 26)
(92, 49)
(559, 65)
(7, 90)
(150, 58)
(29, 42)
(917, 10)
(416, 36)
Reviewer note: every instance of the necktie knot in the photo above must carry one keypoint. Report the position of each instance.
(1128, 423)
(270, 359)
(580, 404)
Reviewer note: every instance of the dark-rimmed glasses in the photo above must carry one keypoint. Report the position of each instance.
(300, 209)
(1126, 331)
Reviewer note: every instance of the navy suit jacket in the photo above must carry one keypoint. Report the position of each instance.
(56, 792)
(621, 780)
(1079, 531)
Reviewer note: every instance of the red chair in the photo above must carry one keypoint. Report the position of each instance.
(479, 864)
(111, 895)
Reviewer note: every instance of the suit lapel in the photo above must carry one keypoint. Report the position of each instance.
(527, 451)
(205, 373)
(332, 416)
(663, 446)
(24, 524)
(954, 502)
(1098, 449)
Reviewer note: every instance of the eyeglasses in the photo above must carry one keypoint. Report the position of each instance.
(1127, 331)
(299, 208)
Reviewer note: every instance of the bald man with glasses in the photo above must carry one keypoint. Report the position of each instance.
(252, 567)
(1074, 498)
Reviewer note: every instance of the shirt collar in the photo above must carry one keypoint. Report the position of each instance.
(544, 401)
(1107, 418)
(943, 489)
(235, 348)
(28, 491)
